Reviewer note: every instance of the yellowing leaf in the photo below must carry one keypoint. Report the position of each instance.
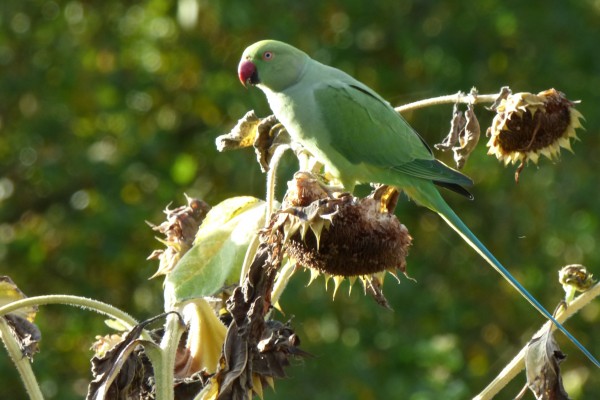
(219, 249)
(20, 321)
(205, 337)
(9, 292)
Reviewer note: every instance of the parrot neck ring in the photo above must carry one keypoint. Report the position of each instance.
(247, 73)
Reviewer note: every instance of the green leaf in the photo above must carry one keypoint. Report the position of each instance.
(219, 249)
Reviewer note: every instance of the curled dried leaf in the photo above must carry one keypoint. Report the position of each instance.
(120, 367)
(277, 344)
(468, 138)
(270, 135)
(179, 229)
(264, 134)
(457, 124)
(463, 136)
(245, 368)
(542, 359)
(242, 135)
(255, 351)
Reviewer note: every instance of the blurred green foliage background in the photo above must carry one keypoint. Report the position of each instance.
(109, 111)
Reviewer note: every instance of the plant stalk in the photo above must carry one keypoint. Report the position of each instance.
(83, 302)
(271, 180)
(459, 97)
(518, 363)
(164, 365)
(21, 362)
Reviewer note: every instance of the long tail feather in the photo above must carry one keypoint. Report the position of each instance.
(431, 198)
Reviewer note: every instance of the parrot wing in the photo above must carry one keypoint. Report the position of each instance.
(372, 132)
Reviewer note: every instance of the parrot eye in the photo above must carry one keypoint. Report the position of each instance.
(267, 56)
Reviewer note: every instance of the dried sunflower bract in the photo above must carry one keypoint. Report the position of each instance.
(527, 125)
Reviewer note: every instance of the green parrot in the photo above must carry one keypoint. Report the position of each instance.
(360, 138)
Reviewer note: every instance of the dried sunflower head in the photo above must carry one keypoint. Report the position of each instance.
(339, 235)
(527, 125)
(349, 237)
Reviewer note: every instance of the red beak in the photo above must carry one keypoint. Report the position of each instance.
(247, 73)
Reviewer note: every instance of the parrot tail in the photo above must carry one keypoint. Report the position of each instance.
(428, 196)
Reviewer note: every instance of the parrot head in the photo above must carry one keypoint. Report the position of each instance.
(271, 64)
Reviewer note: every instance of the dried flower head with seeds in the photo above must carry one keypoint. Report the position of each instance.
(339, 235)
(527, 125)
(349, 237)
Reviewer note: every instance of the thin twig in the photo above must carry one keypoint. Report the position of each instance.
(459, 97)
(518, 363)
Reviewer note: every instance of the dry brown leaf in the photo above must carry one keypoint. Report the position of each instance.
(542, 360)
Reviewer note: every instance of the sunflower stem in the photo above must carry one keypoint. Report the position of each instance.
(460, 97)
(78, 301)
(518, 363)
(271, 180)
(21, 362)
(165, 363)
(285, 273)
